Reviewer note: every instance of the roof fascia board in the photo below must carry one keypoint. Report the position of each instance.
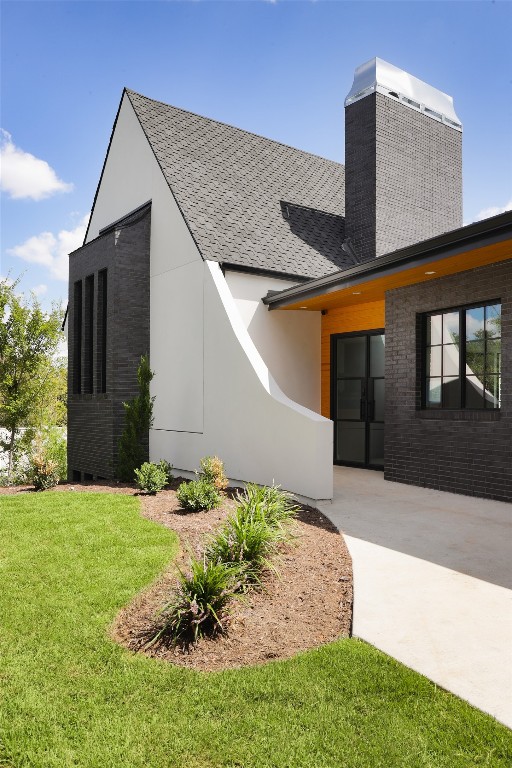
(418, 254)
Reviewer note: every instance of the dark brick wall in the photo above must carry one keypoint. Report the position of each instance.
(468, 452)
(360, 176)
(95, 420)
(403, 176)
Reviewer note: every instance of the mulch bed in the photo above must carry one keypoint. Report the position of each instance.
(307, 604)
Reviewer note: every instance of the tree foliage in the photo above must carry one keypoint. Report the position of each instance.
(32, 380)
(138, 421)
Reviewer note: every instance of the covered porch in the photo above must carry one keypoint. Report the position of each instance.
(429, 411)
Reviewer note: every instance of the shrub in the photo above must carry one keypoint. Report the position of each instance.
(198, 494)
(212, 469)
(56, 449)
(40, 458)
(247, 542)
(138, 420)
(151, 478)
(201, 604)
(167, 468)
(43, 470)
(276, 505)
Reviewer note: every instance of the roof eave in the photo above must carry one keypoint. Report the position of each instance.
(479, 234)
(228, 266)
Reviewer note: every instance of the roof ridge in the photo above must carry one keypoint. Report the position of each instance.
(235, 128)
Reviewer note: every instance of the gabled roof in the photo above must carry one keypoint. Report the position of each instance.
(249, 202)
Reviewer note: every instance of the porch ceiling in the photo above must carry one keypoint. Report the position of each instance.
(362, 289)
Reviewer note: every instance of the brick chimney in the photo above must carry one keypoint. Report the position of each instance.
(403, 161)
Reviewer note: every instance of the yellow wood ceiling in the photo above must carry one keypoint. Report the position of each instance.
(373, 289)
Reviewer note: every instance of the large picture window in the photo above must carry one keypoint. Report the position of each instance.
(462, 358)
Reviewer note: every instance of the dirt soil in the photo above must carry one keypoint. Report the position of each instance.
(307, 604)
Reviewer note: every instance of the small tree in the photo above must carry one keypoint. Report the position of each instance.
(138, 421)
(29, 371)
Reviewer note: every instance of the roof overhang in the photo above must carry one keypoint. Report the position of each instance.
(484, 242)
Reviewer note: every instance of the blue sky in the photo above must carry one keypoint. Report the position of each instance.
(280, 69)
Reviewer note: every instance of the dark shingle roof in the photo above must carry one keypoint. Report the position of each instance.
(248, 201)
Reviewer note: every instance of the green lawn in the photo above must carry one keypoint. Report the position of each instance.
(71, 697)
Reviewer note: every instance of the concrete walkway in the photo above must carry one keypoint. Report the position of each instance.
(432, 582)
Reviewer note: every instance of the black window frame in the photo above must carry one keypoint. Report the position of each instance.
(461, 309)
(77, 337)
(101, 331)
(88, 335)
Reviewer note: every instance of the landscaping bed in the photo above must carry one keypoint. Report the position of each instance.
(306, 604)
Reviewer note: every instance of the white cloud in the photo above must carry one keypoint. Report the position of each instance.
(23, 175)
(40, 290)
(51, 250)
(494, 210)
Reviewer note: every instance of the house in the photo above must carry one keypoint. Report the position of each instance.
(297, 313)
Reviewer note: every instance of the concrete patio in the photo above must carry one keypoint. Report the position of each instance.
(432, 582)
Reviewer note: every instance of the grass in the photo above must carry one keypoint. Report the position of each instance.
(69, 697)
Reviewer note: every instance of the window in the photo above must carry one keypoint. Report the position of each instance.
(101, 333)
(77, 337)
(462, 358)
(88, 363)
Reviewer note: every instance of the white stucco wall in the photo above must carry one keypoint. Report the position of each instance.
(289, 342)
(260, 433)
(132, 177)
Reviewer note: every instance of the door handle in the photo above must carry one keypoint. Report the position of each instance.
(362, 409)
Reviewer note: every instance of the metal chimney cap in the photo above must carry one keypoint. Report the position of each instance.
(379, 76)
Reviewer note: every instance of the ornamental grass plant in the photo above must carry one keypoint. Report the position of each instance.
(247, 541)
(201, 603)
(277, 506)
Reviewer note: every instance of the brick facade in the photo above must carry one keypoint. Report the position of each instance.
(96, 417)
(468, 452)
(403, 176)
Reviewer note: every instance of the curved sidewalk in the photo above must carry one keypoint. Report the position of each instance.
(432, 582)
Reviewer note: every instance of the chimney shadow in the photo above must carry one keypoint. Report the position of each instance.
(325, 232)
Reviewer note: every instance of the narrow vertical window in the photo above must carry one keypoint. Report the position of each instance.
(77, 337)
(88, 335)
(101, 333)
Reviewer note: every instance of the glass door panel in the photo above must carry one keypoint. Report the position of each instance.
(376, 447)
(351, 356)
(358, 399)
(378, 399)
(377, 355)
(349, 393)
(351, 442)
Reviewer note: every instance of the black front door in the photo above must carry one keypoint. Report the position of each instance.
(357, 398)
